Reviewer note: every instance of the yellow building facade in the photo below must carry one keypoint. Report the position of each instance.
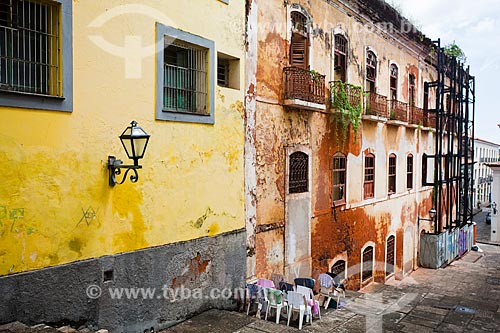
(175, 67)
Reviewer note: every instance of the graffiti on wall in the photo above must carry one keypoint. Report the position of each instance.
(9, 220)
(88, 216)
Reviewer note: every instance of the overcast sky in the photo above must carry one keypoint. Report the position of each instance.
(475, 27)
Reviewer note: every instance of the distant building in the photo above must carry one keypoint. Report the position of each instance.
(484, 152)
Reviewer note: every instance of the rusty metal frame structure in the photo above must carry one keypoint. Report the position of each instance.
(454, 142)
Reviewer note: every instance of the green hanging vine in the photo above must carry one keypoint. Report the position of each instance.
(347, 113)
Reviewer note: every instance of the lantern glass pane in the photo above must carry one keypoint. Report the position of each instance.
(140, 146)
(127, 144)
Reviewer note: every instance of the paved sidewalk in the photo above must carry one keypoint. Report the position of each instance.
(463, 297)
(483, 230)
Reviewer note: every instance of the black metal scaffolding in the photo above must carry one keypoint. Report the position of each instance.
(454, 145)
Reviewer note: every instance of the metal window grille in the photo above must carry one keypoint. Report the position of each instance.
(411, 97)
(222, 72)
(29, 47)
(185, 78)
(339, 268)
(409, 171)
(392, 174)
(369, 184)
(339, 177)
(371, 66)
(340, 58)
(390, 256)
(394, 82)
(298, 173)
(299, 23)
(367, 263)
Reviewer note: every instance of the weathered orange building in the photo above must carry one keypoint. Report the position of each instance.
(336, 131)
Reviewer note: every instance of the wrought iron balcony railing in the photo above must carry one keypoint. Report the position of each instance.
(398, 110)
(304, 85)
(416, 116)
(341, 92)
(375, 105)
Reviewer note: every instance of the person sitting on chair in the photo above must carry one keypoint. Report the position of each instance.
(338, 282)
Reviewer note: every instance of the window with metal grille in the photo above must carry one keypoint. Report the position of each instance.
(340, 61)
(392, 174)
(394, 82)
(371, 70)
(369, 182)
(412, 89)
(299, 53)
(426, 96)
(339, 269)
(223, 72)
(339, 178)
(367, 263)
(185, 78)
(424, 169)
(29, 47)
(298, 177)
(389, 264)
(409, 172)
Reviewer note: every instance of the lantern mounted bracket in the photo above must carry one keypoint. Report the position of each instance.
(134, 140)
(115, 167)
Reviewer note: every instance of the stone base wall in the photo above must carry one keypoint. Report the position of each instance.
(158, 286)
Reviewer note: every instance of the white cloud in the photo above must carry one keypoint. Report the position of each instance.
(474, 27)
(486, 25)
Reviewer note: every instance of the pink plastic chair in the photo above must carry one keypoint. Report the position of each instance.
(265, 283)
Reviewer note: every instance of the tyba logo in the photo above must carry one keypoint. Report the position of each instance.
(132, 50)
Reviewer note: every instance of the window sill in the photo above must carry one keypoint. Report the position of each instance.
(186, 117)
(339, 203)
(22, 93)
(17, 99)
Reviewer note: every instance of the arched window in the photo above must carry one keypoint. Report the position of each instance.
(367, 263)
(390, 255)
(339, 178)
(369, 181)
(298, 173)
(409, 171)
(340, 61)
(391, 188)
(371, 71)
(394, 82)
(299, 55)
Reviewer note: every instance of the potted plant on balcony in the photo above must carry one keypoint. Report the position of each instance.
(315, 75)
(392, 115)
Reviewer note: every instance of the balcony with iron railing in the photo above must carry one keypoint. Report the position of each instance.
(375, 106)
(416, 116)
(342, 93)
(398, 111)
(304, 89)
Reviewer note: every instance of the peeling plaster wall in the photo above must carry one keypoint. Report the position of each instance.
(56, 206)
(347, 228)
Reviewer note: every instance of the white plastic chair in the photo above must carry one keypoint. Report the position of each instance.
(275, 300)
(297, 303)
(308, 293)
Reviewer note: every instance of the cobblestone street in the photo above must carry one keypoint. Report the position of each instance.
(463, 297)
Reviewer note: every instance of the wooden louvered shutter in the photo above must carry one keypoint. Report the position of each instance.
(298, 51)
